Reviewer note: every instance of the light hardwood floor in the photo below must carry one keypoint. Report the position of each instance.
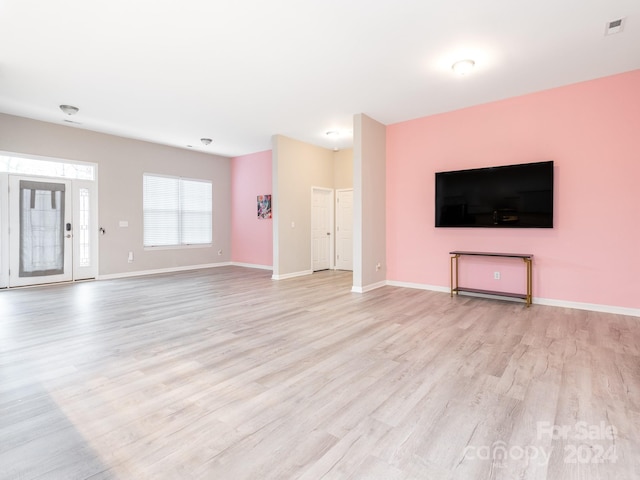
(226, 374)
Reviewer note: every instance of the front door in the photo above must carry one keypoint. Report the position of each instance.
(40, 231)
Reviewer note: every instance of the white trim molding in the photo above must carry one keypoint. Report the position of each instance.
(593, 307)
(291, 275)
(368, 288)
(632, 312)
(419, 286)
(252, 265)
(138, 273)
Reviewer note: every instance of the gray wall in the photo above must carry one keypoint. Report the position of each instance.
(297, 166)
(369, 203)
(343, 169)
(121, 163)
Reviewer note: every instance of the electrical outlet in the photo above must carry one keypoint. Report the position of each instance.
(496, 275)
(219, 252)
(378, 266)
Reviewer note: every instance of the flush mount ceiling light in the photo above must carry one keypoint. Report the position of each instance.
(69, 109)
(206, 141)
(463, 67)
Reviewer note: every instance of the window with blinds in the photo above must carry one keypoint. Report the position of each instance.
(177, 211)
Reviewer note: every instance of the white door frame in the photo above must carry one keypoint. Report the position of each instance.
(5, 214)
(331, 226)
(336, 233)
(77, 272)
(4, 230)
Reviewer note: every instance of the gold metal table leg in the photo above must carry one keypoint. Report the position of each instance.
(529, 264)
(454, 286)
(451, 276)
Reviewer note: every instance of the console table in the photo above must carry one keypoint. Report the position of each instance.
(456, 288)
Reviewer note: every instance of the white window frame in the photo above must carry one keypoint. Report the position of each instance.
(7, 157)
(180, 214)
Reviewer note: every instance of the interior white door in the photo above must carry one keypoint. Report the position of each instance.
(321, 228)
(85, 230)
(344, 229)
(40, 236)
(4, 230)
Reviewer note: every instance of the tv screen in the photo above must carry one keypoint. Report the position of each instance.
(518, 196)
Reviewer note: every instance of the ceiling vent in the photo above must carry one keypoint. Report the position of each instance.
(615, 26)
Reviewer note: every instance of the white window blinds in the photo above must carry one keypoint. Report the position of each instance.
(177, 211)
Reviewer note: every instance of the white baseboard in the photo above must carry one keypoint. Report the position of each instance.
(138, 273)
(291, 275)
(252, 265)
(368, 288)
(594, 307)
(419, 286)
(632, 312)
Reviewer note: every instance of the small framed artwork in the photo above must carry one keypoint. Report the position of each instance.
(264, 206)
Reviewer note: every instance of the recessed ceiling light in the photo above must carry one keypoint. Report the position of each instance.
(69, 109)
(463, 67)
(206, 141)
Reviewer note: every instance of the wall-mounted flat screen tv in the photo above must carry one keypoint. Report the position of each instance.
(518, 196)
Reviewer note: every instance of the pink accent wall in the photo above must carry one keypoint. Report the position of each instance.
(592, 132)
(251, 238)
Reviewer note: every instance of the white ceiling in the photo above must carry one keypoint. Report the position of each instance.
(171, 71)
